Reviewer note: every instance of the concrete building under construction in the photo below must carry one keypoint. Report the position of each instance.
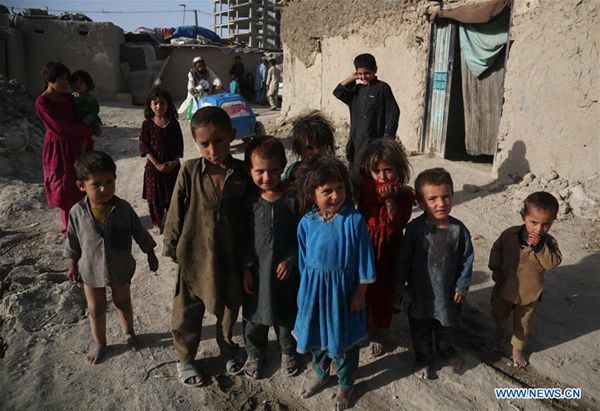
(254, 22)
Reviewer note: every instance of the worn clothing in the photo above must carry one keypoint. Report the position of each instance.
(346, 365)
(435, 262)
(234, 87)
(272, 81)
(87, 110)
(238, 70)
(522, 317)
(257, 339)
(374, 113)
(260, 76)
(272, 99)
(202, 233)
(334, 257)
(165, 144)
(268, 239)
(386, 238)
(103, 251)
(195, 76)
(421, 334)
(522, 267)
(186, 325)
(62, 146)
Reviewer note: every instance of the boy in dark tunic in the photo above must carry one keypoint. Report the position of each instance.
(374, 112)
(269, 256)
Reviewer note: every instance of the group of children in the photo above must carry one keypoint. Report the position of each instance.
(322, 255)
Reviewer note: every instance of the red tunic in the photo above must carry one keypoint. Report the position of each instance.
(165, 144)
(386, 238)
(62, 146)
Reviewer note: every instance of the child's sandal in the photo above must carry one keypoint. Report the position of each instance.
(289, 365)
(234, 366)
(252, 367)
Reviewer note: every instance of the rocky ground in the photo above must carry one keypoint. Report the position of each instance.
(45, 333)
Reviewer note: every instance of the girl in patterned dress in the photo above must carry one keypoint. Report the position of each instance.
(161, 142)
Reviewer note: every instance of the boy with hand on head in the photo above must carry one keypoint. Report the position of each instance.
(98, 247)
(436, 260)
(518, 260)
(374, 112)
(201, 235)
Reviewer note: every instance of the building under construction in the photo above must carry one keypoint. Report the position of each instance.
(254, 22)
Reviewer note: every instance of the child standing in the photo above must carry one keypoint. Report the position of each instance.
(386, 203)
(201, 235)
(161, 142)
(98, 248)
(518, 260)
(374, 112)
(234, 85)
(86, 105)
(335, 259)
(269, 258)
(436, 260)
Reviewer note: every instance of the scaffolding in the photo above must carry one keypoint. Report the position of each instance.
(254, 22)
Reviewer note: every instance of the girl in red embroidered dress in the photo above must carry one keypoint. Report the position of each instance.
(386, 203)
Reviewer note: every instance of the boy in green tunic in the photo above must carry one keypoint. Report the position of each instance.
(86, 105)
(202, 235)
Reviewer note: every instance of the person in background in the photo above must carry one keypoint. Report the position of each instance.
(86, 104)
(259, 81)
(200, 81)
(272, 83)
(234, 85)
(237, 69)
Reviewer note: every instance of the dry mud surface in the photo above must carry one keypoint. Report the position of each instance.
(45, 332)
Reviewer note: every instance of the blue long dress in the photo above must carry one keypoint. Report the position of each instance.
(334, 256)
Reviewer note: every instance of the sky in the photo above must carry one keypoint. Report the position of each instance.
(129, 15)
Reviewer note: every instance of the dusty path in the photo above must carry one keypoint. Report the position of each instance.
(46, 333)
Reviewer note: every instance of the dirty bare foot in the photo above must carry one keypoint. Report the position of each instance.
(156, 230)
(424, 373)
(313, 385)
(456, 363)
(96, 354)
(519, 359)
(133, 342)
(343, 398)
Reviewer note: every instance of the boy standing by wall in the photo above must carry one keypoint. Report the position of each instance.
(374, 112)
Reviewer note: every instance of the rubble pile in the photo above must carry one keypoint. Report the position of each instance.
(21, 133)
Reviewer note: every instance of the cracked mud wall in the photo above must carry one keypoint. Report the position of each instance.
(552, 90)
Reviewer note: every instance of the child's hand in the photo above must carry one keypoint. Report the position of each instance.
(283, 271)
(533, 239)
(387, 191)
(357, 301)
(497, 276)
(162, 167)
(152, 261)
(72, 273)
(247, 281)
(458, 298)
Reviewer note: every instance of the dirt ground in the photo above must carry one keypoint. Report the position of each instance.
(45, 332)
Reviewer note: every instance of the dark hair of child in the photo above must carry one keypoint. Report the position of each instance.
(158, 92)
(272, 62)
(211, 115)
(94, 162)
(312, 128)
(53, 71)
(435, 177)
(383, 150)
(238, 58)
(85, 77)
(265, 147)
(365, 60)
(315, 172)
(541, 200)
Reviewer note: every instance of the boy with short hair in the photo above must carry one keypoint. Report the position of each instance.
(374, 112)
(201, 235)
(269, 256)
(518, 260)
(436, 260)
(98, 247)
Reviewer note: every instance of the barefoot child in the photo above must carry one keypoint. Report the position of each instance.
(98, 248)
(161, 142)
(335, 259)
(270, 258)
(201, 235)
(312, 133)
(385, 202)
(518, 261)
(436, 260)
(86, 105)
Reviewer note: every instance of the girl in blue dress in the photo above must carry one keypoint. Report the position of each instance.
(335, 259)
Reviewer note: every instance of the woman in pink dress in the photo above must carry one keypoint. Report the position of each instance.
(64, 141)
